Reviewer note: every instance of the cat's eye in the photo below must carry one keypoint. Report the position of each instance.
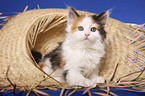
(80, 28)
(93, 29)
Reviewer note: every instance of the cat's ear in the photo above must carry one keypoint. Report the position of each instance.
(103, 17)
(72, 14)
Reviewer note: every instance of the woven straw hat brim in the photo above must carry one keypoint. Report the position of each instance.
(42, 29)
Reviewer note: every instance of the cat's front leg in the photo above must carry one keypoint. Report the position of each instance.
(75, 78)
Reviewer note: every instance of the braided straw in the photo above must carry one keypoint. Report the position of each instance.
(42, 29)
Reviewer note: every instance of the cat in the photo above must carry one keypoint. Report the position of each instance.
(76, 61)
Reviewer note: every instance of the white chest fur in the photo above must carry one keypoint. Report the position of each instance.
(83, 55)
(82, 60)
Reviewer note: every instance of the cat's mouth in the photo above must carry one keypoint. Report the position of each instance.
(86, 39)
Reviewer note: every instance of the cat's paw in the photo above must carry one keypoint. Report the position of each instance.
(84, 83)
(87, 83)
(98, 79)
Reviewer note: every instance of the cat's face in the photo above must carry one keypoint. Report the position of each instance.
(85, 27)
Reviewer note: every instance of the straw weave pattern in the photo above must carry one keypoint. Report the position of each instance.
(42, 29)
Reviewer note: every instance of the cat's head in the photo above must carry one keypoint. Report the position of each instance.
(86, 27)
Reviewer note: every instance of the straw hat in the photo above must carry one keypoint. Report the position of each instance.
(42, 29)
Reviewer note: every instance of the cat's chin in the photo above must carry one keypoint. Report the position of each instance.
(86, 40)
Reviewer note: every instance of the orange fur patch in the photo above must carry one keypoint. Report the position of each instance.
(75, 23)
(41, 65)
(62, 63)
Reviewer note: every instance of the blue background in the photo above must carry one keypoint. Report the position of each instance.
(117, 91)
(129, 11)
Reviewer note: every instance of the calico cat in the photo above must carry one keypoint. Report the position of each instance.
(76, 60)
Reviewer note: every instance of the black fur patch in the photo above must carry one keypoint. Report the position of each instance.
(101, 29)
(55, 57)
(102, 32)
(65, 74)
(95, 17)
(37, 56)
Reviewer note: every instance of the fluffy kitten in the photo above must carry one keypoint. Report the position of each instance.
(76, 60)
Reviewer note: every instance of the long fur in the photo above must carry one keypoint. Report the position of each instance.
(81, 51)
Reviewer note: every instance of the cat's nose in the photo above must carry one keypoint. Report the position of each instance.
(87, 35)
